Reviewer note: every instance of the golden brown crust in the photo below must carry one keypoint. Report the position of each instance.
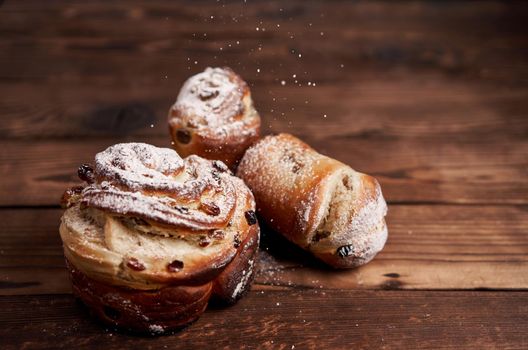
(316, 202)
(214, 117)
(101, 263)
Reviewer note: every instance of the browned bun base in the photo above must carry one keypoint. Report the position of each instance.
(153, 236)
(235, 281)
(229, 151)
(147, 312)
(169, 308)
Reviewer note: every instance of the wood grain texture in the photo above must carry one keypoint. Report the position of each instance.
(97, 70)
(292, 319)
(430, 98)
(414, 170)
(429, 247)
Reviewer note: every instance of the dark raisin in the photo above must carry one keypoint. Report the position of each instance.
(183, 210)
(111, 313)
(251, 217)
(204, 242)
(217, 234)
(86, 173)
(216, 176)
(345, 251)
(220, 166)
(205, 95)
(183, 136)
(319, 235)
(210, 208)
(135, 264)
(347, 183)
(175, 266)
(289, 156)
(119, 164)
(296, 167)
(139, 221)
(237, 241)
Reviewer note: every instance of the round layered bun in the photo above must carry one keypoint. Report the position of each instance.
(214, 117)
(151, 237)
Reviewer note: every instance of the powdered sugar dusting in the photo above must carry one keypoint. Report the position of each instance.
(278, 168)
(156, 184)
(216, 103)
(246, 277)
(156, 329)
(138, 166)
(212, 96)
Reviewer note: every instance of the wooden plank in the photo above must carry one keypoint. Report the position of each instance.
(418, 106)
(379, 35)
(91, 70)
(293, 319)
(430, 99)
(429, 247)
(409, 169)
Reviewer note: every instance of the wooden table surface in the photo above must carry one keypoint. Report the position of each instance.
(430, 97)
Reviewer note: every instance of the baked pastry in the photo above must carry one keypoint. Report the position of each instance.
(214, 117)
(151, 237)
(317, 202)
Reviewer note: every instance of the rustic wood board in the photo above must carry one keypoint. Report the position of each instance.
(436, 115)
(294, 319)
(430, 97)
(82, 63)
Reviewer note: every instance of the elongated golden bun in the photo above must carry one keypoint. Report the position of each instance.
(317, 202)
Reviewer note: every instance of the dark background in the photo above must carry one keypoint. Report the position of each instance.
(431, 97)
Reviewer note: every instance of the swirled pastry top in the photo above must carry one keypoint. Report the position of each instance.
(156, 185)
(215, 103)
(148, 217)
